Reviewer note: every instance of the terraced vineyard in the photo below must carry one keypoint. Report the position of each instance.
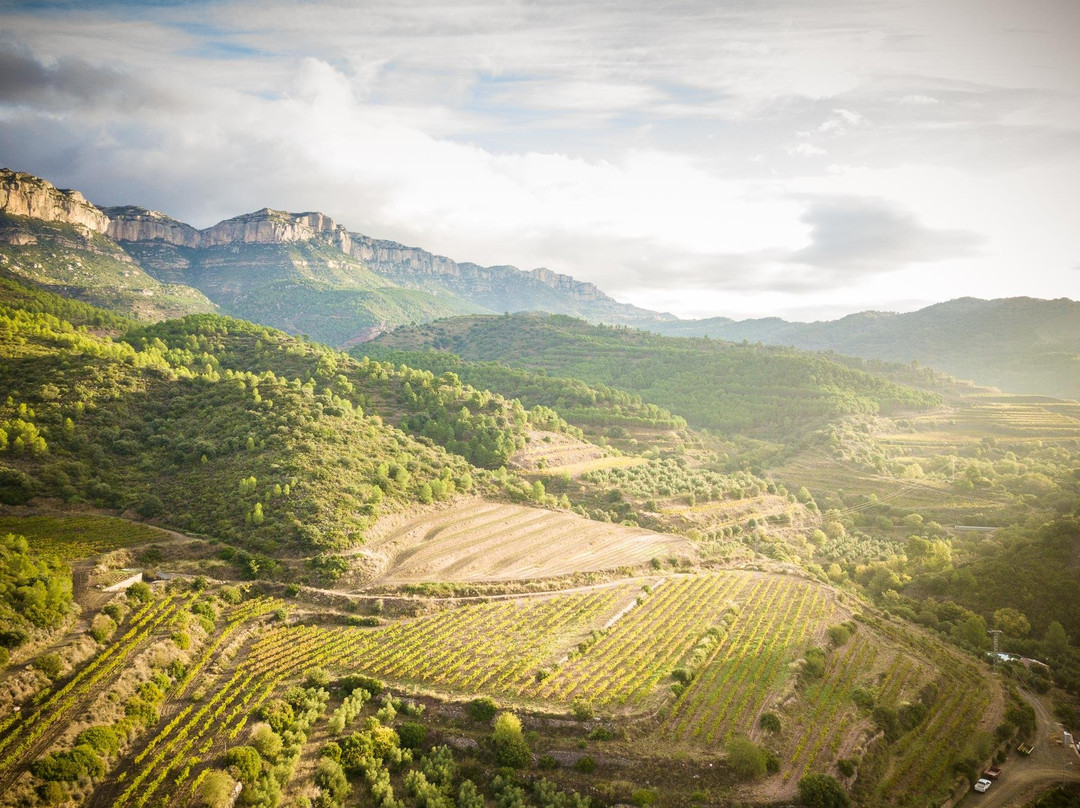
(742, 675)
(28, 732)
(478, 540)
(72, 537)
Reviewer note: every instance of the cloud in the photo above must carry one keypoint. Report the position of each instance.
(857, 235)
(68, 83)
(805, 150)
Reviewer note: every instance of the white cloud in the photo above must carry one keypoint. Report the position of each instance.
(628, 144)
(805, 150)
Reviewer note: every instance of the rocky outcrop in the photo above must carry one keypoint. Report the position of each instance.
(24, 194)
(139, 224)
(268, 226)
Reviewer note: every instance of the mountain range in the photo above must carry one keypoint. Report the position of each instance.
(305, 273)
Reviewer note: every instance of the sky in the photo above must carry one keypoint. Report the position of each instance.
(707, 158)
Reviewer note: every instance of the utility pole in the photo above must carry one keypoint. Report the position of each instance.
(995, 632)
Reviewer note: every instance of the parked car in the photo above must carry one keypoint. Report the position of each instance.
(982, 785)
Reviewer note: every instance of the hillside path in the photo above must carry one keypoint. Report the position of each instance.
(1023, 779)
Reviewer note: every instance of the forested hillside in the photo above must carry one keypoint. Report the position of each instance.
(231, 429)
(766, 392)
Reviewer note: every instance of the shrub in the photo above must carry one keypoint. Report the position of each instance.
(102, 740)
(644, 797)
(846, 767)
(246, 762)
(412, 734)
(482, 709)
(822, 791)
(49, 664)
(266, 742)
(585, 765)
(547, 763)
(140, 592)
(745, 759)
(582, 709)
(511, 748)
(839, 634)
(770, 722)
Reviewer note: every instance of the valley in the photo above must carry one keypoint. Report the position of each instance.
(512, 560)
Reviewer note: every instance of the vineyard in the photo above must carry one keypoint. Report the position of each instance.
(701, 657)
(478, 540)
(72, 537)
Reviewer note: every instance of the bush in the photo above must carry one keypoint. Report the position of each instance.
(266, 742)
(511, 748)
(317, 677)
(246, 762)
(846, 767)
(140, 592)
(745, 759)
(585, 765)
(547, 763)
(838, 635)
(412, 734)
(102, 740)
(215, 790)
(373, 686)
(483, 709)
(822, 791)
(582, 709)
(644, 797)
(770, 722)
(49, 664)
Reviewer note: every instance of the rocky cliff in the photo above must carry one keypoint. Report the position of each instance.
(24, 194)
(139, 224)
(268, 226)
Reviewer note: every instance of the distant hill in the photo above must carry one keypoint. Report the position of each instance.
(764, 391)
(1019, 344)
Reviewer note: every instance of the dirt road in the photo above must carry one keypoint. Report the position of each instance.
(1024, 778)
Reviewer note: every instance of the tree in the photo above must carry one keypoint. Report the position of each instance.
(511, 749)
(1012, 622)
(1055, 640)
(245, 761)
(215, 790)
(822, 791)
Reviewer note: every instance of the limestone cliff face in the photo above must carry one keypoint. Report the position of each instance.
(275, 227)
(24, 194)
(139, 224)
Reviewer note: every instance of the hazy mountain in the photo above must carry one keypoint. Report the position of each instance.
(1019, 344)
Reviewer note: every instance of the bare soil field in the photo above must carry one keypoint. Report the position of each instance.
(478, 540)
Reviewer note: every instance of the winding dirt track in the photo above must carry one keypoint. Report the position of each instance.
(1024, 778)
